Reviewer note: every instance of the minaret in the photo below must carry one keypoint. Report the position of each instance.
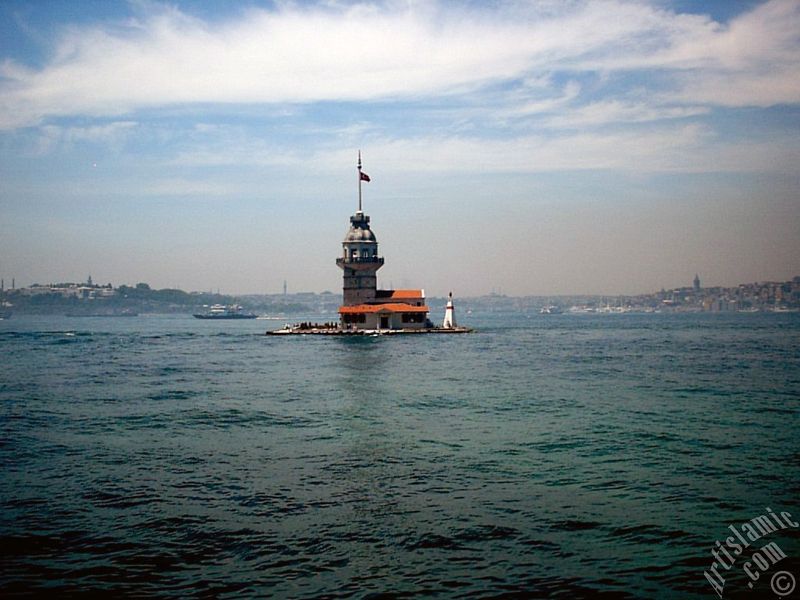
(359, 261)
(449, 314)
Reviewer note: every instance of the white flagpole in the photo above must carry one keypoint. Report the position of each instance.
(359, 181)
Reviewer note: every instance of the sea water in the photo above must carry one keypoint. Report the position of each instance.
(541, 456)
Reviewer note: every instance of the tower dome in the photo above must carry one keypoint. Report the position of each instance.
(360, 261)
(359, 231)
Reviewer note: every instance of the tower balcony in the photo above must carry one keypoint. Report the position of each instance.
(368, 262)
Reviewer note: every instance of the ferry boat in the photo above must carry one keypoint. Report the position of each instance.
(220, 311)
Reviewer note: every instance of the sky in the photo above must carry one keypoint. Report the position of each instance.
(521, 147)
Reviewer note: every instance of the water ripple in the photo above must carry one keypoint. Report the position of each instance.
(564, 458)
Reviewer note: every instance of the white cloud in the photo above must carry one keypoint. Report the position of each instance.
(292, 55)
(779, 85)
(547, 105)
(401, 50)
(656, 150)
(94, 133)
(617, 111)
(112, 133)
(754, 62)
(687, 148)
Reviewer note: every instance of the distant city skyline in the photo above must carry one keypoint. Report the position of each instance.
(541, 148)
(67, 288)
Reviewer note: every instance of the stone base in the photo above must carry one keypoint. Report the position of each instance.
(297, 330)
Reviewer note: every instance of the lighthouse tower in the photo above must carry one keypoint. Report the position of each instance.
(449, 314)
(359, 260)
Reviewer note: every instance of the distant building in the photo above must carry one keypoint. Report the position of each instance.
(70, 290)
(696, 283)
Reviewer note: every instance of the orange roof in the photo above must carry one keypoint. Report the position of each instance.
(392, 307)
(399, 294)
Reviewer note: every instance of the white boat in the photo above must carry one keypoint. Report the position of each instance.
(220, 311)
(550, 310)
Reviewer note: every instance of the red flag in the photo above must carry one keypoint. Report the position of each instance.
(364, 176)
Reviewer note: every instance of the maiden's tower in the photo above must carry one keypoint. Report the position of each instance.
(365, 308)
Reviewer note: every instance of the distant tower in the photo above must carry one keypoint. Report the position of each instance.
(284, 287)
(359, 261)
(696, 283)
(89, 281)
(449, 314)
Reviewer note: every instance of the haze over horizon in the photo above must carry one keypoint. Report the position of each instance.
(538, 148)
